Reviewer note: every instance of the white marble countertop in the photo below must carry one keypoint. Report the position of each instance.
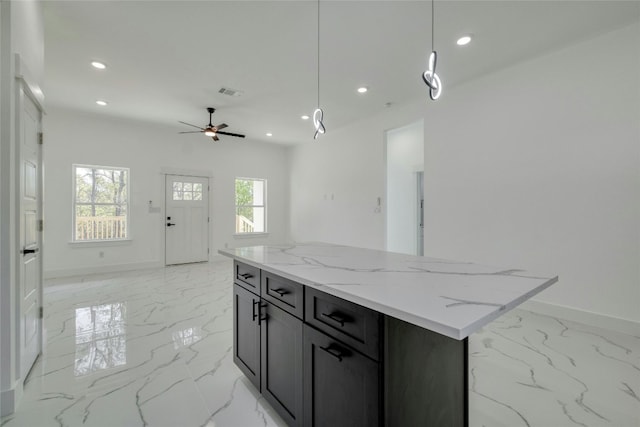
(452, 298)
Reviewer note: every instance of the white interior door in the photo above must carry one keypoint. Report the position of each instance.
(30, 235)
(186, 219)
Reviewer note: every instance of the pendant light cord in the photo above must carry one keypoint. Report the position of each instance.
(432, 25)
(318, 114)
(318, 53)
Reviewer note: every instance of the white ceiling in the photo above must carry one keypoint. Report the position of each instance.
(168, 59)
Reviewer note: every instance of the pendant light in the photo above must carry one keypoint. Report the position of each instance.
(430, 77)
(318, 114)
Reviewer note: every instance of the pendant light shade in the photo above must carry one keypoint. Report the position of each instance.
(317, 122)
(430, 78)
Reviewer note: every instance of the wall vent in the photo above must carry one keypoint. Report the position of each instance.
(229, 92)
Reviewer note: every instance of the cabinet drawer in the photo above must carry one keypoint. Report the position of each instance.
(247, 276)
(350, 323)
(283, 293)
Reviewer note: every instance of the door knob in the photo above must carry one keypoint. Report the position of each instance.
(169, 224)
(29, 251)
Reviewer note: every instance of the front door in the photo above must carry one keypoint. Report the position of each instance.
(30, 234)
(186, 219)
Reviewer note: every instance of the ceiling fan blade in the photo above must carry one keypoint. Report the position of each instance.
(189, 124)
(222, 126)
(231, 134)
(215, 138)
(193, 131)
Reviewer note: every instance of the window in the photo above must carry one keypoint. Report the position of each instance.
(101, 203)
(251, 205)
(187, 191)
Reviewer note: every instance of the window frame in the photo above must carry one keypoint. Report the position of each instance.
(264, 206)
(74, 204)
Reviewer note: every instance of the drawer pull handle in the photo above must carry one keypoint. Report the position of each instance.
(336, 317)
(334, 352)
(280, 291)
(246, 275)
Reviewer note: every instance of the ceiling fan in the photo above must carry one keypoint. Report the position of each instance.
(211, 130)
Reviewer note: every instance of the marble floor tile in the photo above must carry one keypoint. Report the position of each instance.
(154, 348)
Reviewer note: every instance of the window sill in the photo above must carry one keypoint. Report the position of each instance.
(95, 243)
(249, 235)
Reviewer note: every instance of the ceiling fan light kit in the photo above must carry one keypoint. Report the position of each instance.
(211, 130)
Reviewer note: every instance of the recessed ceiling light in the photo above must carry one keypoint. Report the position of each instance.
(269, 134)
(362, 89)
(464, 40)
(99, 65)
(305, 117)
(102, 103)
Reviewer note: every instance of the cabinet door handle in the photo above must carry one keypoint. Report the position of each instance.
(30, 251)
(334, 352)
(280, 291)
(260, 316)
(253, 310)
(246, 275)
(336, 317)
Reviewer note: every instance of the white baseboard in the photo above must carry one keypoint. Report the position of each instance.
(9, 399)
(597, 320)
(81, 271)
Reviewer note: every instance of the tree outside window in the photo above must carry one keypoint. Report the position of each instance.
(251, 205)
(101, 203)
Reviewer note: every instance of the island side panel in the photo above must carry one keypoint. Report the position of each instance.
(426, 377)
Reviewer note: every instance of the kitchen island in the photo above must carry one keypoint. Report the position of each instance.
(336, 335)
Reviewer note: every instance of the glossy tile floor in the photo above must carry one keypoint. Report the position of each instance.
(154, 348)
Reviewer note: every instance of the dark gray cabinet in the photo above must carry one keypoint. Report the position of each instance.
(341, 385)
(268, 340)
(320, 360)
(281, 339)
(246, 333)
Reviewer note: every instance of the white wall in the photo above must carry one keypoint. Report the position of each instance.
(95, 139)
(405, 158)
(21, 32)
(348, 164)
(536, 166)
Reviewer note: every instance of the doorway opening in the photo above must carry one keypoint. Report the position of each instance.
(404, 175)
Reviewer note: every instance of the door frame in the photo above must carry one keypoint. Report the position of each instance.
(164, 171)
